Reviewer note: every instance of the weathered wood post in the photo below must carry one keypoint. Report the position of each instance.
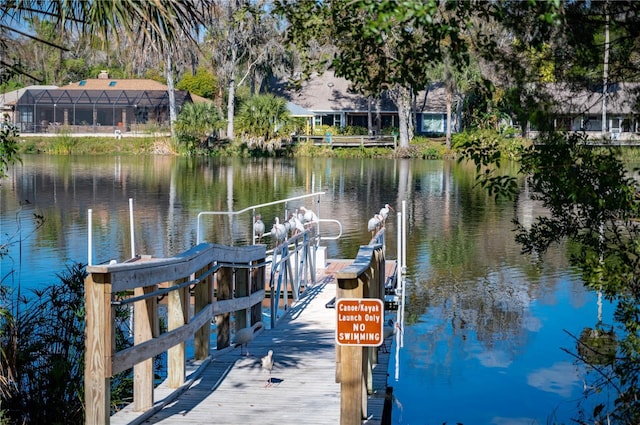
(203, 298)
(351, 378)
(145, 321)
(360, 314)
(258, 276)
(224, 286)
(177, 316)
(99, 342)
(242, 290)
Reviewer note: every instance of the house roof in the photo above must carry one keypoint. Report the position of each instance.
(11, 97)
(125, 84)
(328, 93)
(126, 91)
(298, 111)
(133, 98)
(622, 98)
(115, 84)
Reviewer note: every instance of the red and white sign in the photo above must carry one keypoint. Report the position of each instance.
(360, 322)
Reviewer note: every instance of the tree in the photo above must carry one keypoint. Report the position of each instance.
(196, 123)
(242, 35)
(203, 83)
(263, 121)
(382, 45)
(591, 195)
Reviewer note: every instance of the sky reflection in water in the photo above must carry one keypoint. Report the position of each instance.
(448, 376)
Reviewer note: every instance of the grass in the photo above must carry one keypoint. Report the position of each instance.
(65, 144)
(420, 148)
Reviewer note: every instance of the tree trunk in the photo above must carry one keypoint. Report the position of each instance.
(448, 138)
(400, 96)
(459, 103)
(605, 73)
(231, 108)
(173, 115)
(369, 116)
(231, 101)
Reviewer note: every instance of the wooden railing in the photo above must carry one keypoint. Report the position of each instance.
(364, 278)
(349, 141)
(187, 283)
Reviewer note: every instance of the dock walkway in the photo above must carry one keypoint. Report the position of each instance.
(232, 388)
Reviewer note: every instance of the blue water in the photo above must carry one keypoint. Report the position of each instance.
(484, 327)
(447, 376)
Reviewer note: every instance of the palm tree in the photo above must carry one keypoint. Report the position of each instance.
(197, 122)
(263, 120)
(155, 25)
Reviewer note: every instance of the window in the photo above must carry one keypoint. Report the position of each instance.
(112, 83)
(433, 123)
(26, 115)
(82, 83)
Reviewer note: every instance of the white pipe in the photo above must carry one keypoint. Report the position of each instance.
(398, 286)
(404, 264)
(89, 237)
(404, 237)
(133, 241)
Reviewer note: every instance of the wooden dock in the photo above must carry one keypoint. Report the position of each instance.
(229, 388)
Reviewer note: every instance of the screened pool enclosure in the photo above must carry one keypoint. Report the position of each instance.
(94, 111)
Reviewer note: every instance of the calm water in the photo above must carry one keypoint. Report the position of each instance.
(485, 326)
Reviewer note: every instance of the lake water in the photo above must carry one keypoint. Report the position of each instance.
(485, 326)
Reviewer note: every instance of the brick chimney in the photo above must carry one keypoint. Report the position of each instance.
(104, 75)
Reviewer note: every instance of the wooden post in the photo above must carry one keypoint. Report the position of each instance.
(242, 290)
(145, 317)
(354, 362)
(203, 297)
(257, 284)
(351, 377)
(177, 316)
(99, 349)
(224, 279)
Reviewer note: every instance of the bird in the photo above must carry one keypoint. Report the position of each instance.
(308, 215)
(389, 330)
(374, 224)
(278, 231)
(384, 212)
(245, 335)
(267, 365)
(295, 225)
(258, 227)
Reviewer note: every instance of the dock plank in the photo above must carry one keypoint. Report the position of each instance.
(232, 388)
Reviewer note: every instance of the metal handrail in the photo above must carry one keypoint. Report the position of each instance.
(303, 249)
(251, 208)
(331, 220)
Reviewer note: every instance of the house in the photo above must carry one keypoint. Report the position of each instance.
(99, 105)
(8, 101)
(333, 103)
(582, 110)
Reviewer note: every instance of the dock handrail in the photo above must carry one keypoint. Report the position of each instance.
(301, 249)
(189, 280)
(253, 208)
